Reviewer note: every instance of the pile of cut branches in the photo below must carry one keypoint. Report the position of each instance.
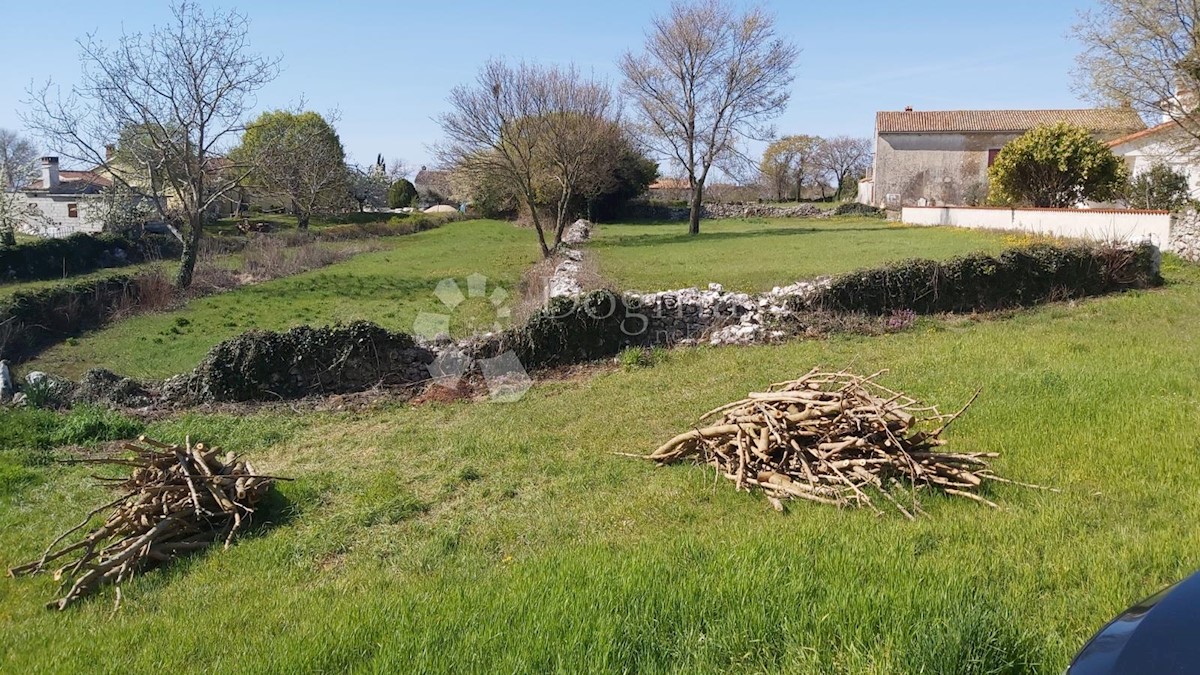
(177, 499)
(834, 438)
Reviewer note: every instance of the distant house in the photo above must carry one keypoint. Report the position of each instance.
(942, 157)
(1166, 144)
(58, 202)
(670, 189)
(433, 185)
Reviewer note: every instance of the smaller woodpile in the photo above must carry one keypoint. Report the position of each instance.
(177, 499)
(834, 438)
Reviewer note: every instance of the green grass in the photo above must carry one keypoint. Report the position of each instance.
(507, 537)
(479, 537)
(390, 287)
(757, 254)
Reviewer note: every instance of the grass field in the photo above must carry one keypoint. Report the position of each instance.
(389, 287)
(488, 537)
(508, 538)
(757, 254)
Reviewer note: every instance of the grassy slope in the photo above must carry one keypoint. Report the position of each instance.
(757, 254)
(389, 287)
(506, 538)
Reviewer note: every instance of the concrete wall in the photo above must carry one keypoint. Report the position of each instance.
(1092, 224)
(943, 169)
(56, 220)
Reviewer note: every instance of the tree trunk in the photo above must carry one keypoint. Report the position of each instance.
(8, 237)
(697, 207)
(537, 225)
(191, 249)
(302, 220)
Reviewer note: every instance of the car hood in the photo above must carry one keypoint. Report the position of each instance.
(1157, 635)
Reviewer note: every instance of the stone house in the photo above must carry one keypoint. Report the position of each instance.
(433, 186)
(941, 158)
(58, 202)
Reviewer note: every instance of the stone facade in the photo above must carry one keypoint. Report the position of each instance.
(1185, 236)
(941, 157)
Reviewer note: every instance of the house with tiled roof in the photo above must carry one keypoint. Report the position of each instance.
(57, 202)
(1167, 143)
(941, 157)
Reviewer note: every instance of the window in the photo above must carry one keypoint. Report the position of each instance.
(72, 210)
(992, 156)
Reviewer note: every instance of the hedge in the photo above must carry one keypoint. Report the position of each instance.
(570, 330)
(81, 253)
(1018, 277)
(33, 320)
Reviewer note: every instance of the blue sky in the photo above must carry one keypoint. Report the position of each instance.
(388, 66)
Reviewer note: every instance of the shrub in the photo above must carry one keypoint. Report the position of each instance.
(1058, 166)
(79, 254)
(1160, 188)
(267, 365)
(571, 330)
(856, 209)
(980, 282)
(401, 194)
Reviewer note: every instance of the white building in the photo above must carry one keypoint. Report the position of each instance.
(58, 202)
(1163, 144)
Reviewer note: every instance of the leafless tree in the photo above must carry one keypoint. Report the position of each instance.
(535, 128)
(842, 157)
(1146, 54)
(18, 160)
(706, 79)
(18, 166)
(580, 141)
(790, 164)
(184, 90)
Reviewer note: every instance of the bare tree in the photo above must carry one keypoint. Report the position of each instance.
(842, 157)
(789, 164)
(706, 79)
(18, 160)
(185, 89)
(1146, 54)
(18, 166)
(578, 148)
(534, 128)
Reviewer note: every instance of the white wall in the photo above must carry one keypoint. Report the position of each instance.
(57, 209)
(1093, 224)
(1162, 148)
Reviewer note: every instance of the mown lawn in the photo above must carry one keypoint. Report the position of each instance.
(390, 287)
(758, 254)
(507, 538)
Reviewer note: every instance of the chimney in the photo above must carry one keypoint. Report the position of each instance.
(49, 173)
(908, 109)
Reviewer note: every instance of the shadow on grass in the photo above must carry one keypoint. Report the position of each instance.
(621, 241)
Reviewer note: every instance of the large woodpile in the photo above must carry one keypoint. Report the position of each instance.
(177, 499)
(834, 438)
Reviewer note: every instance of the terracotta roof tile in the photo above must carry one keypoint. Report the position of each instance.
(1117, 120)
(1152, 131)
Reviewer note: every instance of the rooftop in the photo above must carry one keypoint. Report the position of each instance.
(1115, 120)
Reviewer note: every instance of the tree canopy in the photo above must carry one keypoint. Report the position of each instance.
(298, 158)
(1056, 166)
